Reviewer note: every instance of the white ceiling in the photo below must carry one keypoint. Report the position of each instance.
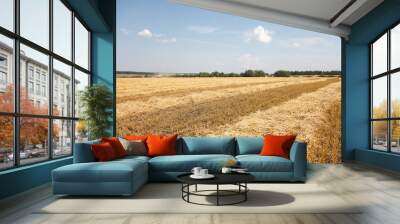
(315, 15)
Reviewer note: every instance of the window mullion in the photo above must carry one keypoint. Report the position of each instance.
(73, 81)
(50, 81)
(389, 104)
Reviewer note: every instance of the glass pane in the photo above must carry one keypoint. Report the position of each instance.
(395, 136)
(62, 138)
(81, 82)
(35, 21)
(62, 89)
(34, 97)
(62, 29)
(379, 135)
(6, 142)
(33, 139)
(395, 94)
(6, 74)
(379, 55)
(395, 47)
(81, 131)
(379, 97)
(7, 14)
(81, 45)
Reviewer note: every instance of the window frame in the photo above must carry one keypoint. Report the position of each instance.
(16, 114)
(388, 74)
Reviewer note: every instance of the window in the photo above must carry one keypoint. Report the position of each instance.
(44, 91)
(3, 78)
(45, 131)
(62, 31)
(81, 45)
(30, 88)
(62, 74)
(81, 82)
(7, 14)
(30, 72)
(3, 72)
(6, 74)
(35, 21)
(385, 94)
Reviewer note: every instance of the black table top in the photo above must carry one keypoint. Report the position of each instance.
(220, 178)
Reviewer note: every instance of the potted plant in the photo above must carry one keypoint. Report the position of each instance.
(96, 102)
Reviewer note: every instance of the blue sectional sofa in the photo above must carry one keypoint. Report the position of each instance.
(125, 176)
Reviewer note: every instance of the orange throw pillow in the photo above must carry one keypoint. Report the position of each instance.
(277, 145)
(116, 145)
(161, 145)
(103, 152)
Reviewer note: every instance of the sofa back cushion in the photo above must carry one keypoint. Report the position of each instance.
(83, 152)
(249, 145)
(116, 145)
(207, 145)
(161, 145)
(104, 151)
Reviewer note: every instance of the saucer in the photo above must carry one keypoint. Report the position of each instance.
(208, 176)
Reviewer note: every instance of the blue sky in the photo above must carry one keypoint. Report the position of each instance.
(161, 36)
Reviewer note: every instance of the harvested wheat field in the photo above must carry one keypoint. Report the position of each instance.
(306, 106)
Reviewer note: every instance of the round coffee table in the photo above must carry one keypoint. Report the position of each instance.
(238, 179)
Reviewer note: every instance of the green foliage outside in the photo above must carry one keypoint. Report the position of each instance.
(96, 102)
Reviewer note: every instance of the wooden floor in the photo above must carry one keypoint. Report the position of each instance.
(377, 188)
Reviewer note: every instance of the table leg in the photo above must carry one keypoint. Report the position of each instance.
(195, 188)
(245, 193)
(217, 194)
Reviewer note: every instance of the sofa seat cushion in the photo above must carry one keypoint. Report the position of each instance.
(185, 163)
(206, 145)
(257, 163)
(112, 171)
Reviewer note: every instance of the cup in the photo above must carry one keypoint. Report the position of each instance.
(203, 172)
(196, 171)
(226, 170)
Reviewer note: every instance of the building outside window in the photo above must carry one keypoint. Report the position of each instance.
(34, 75)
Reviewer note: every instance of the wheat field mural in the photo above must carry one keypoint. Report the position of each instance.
(235, 106)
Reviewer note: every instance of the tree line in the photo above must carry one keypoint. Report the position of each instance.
(261, 73)
(247, 73)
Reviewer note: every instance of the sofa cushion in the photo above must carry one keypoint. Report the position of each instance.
(161, 145)
(112, 171)
(277, 145)
(134, 147)
(257, 163)
(116, 145)
(103, 152)
(185, 163)
(208, 145)
(249, 145)
(83, 152)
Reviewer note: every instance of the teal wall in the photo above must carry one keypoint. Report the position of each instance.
(355, 68)
(99, 16)
(24, 178)
(103, 66)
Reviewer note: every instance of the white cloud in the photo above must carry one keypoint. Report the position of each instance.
(249, 61)
(125, 31)
(146, 33)
(203, 29)
(259, 34)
